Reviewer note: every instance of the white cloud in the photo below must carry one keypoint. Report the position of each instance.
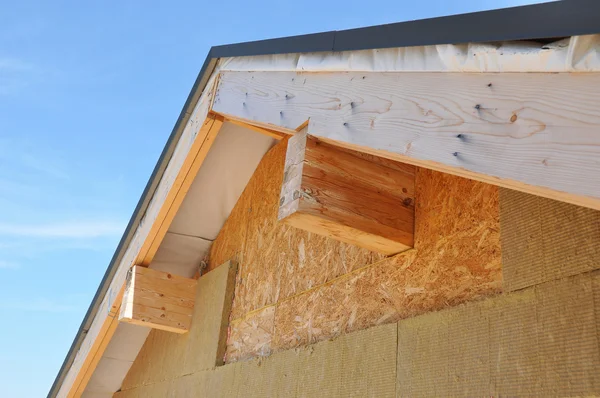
(72, 230)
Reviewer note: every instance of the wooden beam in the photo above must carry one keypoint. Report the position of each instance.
(266, 131)
(532, 132)
(158, 299)
(202, 144)
(94, 358)
(103, 328)
(348, 196)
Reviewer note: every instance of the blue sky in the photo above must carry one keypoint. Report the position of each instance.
(89, 92)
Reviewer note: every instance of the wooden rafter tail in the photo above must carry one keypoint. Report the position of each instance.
(482, 126)
(195, 157)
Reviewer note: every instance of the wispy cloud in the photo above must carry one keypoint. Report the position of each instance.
(72, 230)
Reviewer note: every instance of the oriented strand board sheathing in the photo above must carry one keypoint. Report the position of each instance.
(230, 241)
(203, 347)
(541, 341)
(277, 261)
(251, 335)
(543, 239)
(456, 259)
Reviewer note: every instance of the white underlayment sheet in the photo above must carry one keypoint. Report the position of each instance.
(574, 54)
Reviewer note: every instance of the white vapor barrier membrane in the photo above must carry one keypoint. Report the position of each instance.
(574, 54)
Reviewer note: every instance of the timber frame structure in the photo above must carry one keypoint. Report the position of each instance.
(514, 124)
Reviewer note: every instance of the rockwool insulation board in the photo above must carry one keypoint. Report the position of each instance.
(355, 365)
(544, 239)
(540, 341)
(203, 347)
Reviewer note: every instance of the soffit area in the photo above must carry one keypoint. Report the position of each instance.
(223, 176)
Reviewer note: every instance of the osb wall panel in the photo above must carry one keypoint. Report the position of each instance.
(456, 259)
(542, 341)
(543, 239)
(320, 287)
(251, 335)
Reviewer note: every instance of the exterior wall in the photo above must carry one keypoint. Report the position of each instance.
(539, 337)
(539, 341)
(295, 288)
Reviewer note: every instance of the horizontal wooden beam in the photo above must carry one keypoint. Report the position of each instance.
(533, 132)
(158, 299)
(348, 196)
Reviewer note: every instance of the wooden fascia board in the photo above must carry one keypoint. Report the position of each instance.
(532, 132)
(173, 200)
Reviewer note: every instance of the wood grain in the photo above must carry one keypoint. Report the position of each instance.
(144, 238)
(202, 143)
(159, 300)
(534, 132)
(347, 196)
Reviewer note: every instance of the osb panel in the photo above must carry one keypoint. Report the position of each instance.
(229, 244)
(543, 239)
(277, 261)
(251, 335)
(456, 259)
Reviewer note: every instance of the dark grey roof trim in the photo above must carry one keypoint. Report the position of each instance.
(538, 21)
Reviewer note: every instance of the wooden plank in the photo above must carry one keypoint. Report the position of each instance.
(532, 132)
(111, 324)
(158, 299)
(102, 328)
(347, 196)
(202, 144)
(91, 356)
(263, 130)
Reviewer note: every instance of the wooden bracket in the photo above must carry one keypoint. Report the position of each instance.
(347, 195)
(159, 300)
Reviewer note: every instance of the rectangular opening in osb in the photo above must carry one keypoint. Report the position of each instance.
(295, 287)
